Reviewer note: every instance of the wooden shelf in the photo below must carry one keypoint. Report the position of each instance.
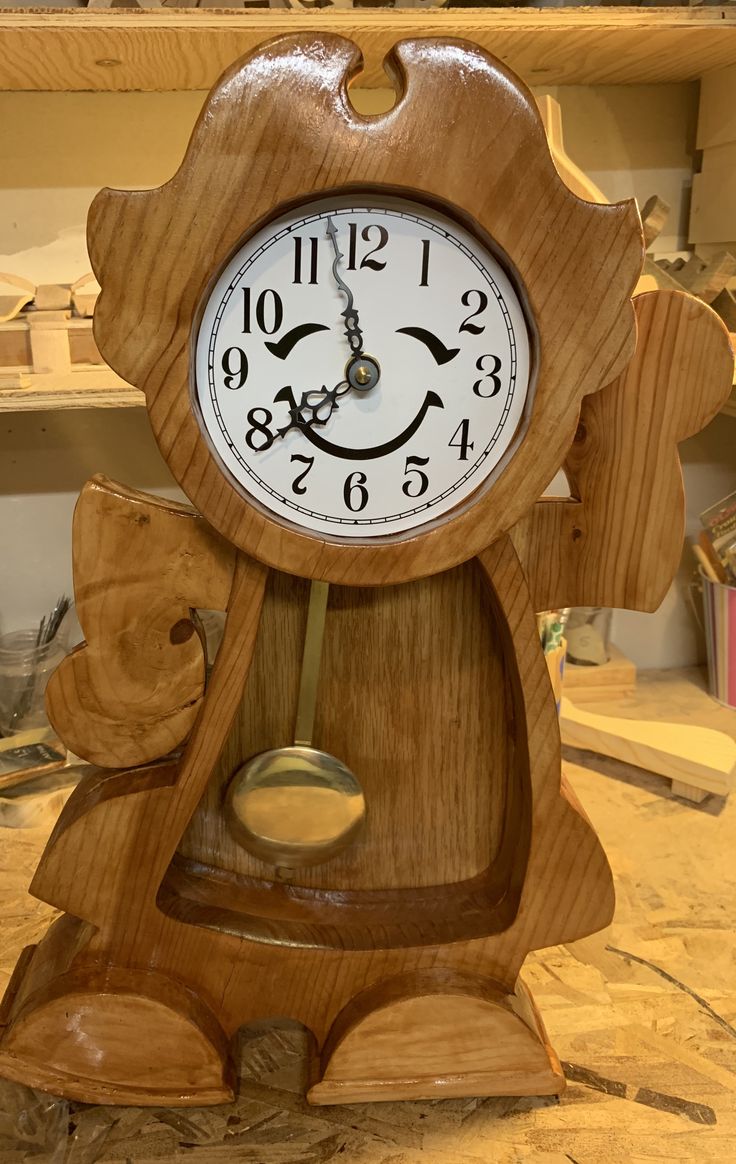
(100, 388)
(170, 49)
(86, 388)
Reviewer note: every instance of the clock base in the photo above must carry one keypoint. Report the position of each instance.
(119, 1035)
(440, 1045)
(109, 1034)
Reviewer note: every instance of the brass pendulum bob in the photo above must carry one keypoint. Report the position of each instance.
(297, 806)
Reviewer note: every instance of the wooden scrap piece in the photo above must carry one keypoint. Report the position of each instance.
(15, 293)
(706, 279)
(84, 292)
(49, 334)
(52, 297)
(725, 305)
(654, 214)
(612, 680)
(573, 177)
(685, 753)
(712, 213)
(717, 109)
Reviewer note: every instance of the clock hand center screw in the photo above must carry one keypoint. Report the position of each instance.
(362, 373)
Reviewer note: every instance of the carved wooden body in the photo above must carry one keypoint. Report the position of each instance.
(401, 954)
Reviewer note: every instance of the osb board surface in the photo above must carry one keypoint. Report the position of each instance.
(643, 1017)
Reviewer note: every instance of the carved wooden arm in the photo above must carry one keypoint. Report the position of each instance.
(620, 542)
(131, 693)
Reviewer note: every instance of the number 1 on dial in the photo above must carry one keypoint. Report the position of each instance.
(424, 278)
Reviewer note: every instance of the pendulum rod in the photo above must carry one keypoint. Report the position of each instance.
(311, 659)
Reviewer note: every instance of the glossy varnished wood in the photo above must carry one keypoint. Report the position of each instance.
(620, 543)
(132, 692)
(279, 128)
(475, 1035)
(109, 852)
(433, 767)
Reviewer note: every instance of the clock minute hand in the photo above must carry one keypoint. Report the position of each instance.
(362, 372)
(350, 314)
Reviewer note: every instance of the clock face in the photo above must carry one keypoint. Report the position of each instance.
(361, 366)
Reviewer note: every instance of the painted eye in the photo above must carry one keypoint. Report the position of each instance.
(435, 346)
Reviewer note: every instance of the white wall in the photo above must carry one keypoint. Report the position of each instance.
(57, 150)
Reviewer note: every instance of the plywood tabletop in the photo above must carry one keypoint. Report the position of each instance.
(643, 1016)
(185, 48)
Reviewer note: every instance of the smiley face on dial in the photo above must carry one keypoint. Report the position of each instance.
(361, 367)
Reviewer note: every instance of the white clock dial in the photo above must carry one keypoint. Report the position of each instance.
(361, 366)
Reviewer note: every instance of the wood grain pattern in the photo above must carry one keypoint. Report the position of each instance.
(577, 263)
(112, 846)
(620, 544)
(21, 391)
(433, 768)
(108, 1061)
(435, 1034)
(141, 564)
(686, 753)
(188, 49)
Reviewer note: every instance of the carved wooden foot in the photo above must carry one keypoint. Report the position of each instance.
(436, 1036)
(112, 1035)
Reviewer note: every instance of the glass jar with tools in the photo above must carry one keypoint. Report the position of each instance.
(27, 660)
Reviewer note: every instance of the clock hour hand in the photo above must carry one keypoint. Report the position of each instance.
(362, 372)
(315, 407)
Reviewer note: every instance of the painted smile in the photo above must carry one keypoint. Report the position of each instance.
(431, 400)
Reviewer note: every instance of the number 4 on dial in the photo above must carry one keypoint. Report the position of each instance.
(460, 440)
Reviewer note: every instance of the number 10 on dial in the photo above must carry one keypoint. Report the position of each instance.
(361, 367)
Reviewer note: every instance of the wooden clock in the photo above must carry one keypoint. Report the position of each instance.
(366, 344)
